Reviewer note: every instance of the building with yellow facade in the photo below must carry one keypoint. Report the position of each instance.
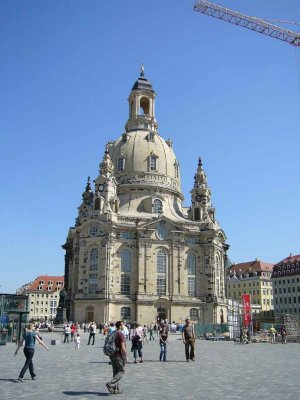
(253, 278)
(43, 297)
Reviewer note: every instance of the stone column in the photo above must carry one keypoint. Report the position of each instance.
(174, 270)
(107, 290)
(141, 267)
(182, 274)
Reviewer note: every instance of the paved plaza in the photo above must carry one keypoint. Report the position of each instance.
(222, 370)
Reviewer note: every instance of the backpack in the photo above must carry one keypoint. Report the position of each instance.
(109, 347)
(136, 339)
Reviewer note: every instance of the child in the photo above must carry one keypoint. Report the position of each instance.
(77, 341)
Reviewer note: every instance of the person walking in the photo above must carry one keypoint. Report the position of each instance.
(188, 338)
(163, 339)
(125, 332)
(111, 328)
(73, 331)
(92, 330)
(272, 332)
(67, 331)
(145, 332)
(151, 327)
(283, 334)
(105, 331)
(77, 341)
(137, 346)
(118, 360)
(245, 335)
(29, 338)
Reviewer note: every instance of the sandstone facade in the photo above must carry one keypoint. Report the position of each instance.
(136, 253)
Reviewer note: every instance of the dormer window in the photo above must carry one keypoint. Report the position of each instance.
(121, 164)
(157, 206)
(150, 137)
(153, 163)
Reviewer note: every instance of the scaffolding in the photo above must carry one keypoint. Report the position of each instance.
(292, 325)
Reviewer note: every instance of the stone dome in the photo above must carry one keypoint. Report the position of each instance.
(144, 157)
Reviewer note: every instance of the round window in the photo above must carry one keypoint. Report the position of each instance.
(162, 232)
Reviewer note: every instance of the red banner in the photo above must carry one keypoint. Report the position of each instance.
(246, 301)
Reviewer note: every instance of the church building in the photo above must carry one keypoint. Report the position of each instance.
(136, 252)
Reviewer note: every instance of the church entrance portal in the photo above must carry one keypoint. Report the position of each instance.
(90, 314)
(161, 314)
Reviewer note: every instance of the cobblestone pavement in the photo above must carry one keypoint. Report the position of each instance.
(222, 370)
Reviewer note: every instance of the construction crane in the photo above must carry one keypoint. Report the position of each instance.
(253, 23)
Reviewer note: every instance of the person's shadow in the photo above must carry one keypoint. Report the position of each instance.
(81, 393)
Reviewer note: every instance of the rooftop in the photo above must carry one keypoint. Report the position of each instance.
(251, 266)
(47, 283)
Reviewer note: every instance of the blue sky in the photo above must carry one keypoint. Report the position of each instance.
(227, 94)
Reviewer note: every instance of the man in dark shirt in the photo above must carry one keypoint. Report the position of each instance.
(118, 359)
(188, 338)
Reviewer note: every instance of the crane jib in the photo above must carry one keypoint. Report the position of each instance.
(246, 21)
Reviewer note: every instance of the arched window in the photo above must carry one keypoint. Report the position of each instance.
(150, 137)
(125, 284)
(152, 163)
(191, 264)
(197, 214)
(157, 206)
(121, 164)
(94, 260)
(161, 268)
(125, 261)
(93, 230)
(161, 262)
(191, 270)
(125, 313)
(93, 283)
(194, 314)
